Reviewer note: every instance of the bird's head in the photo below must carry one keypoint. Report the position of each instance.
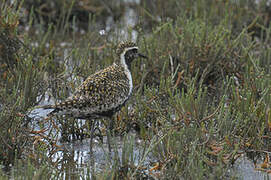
(127, 51)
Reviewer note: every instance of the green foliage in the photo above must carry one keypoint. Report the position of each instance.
(201, 99)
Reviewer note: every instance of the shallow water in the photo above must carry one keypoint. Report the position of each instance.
(76, 155)
(77, 152)
(244, 169)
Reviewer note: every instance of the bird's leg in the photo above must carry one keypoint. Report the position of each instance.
(92, 130)
(109, 133)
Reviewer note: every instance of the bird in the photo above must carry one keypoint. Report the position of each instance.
(103, 93)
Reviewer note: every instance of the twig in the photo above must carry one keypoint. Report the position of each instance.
(142, 81)
(6, 143)
(210, 116)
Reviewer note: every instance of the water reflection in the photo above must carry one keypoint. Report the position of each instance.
(244, 169)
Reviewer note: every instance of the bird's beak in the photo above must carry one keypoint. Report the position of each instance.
(143, 56)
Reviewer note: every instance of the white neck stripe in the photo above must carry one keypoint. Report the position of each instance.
(126, 70)
(122, 58)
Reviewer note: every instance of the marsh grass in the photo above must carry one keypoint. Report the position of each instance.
(200, 102)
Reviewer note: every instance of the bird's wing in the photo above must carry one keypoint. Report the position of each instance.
(104, 89)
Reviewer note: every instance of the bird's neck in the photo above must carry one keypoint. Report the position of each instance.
(123, 62)
(127, 71)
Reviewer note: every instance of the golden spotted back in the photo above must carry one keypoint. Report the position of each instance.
(101, 92)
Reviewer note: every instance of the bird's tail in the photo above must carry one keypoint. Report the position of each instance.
(46, 107)
(34, 110)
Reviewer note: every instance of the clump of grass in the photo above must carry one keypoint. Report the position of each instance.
(200, 101)
(200, 96)
(22, 87)
(10, 44)
(9, 116)
(68, 16)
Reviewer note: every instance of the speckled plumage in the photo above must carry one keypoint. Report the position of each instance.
(122, 46)
(104, 92)
(101, 94)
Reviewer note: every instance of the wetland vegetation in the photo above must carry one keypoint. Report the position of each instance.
(201, 101)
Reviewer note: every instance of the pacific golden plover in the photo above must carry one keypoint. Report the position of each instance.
(103, 93)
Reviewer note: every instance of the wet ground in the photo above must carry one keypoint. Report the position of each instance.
(245, 169)
(75, 155)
